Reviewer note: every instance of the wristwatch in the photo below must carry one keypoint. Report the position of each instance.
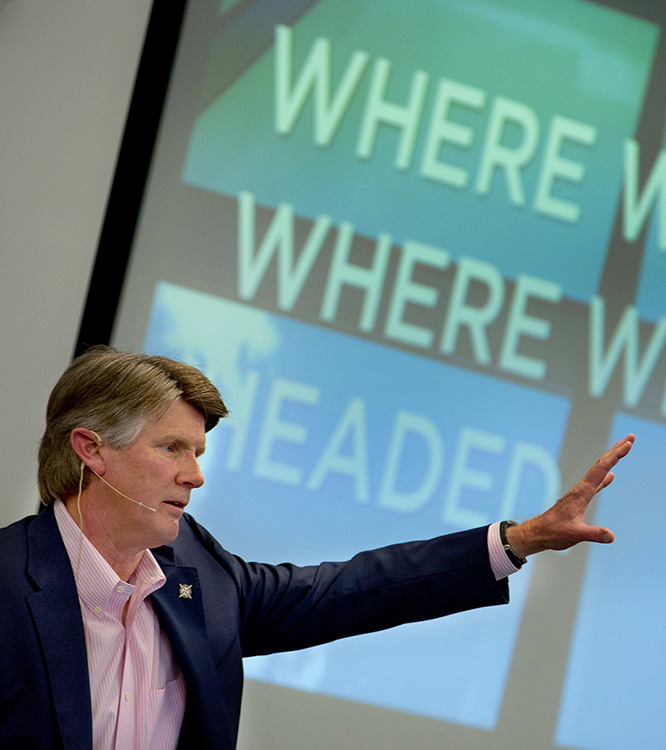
(518, 562)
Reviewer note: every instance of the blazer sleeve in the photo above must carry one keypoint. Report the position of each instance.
(287, 607)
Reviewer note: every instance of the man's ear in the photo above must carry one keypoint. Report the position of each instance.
(86, 444)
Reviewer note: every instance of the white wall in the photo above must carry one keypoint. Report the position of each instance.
(66, 75)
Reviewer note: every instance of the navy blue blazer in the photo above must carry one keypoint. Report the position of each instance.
(237, 609)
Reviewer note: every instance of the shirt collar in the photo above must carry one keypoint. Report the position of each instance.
(96, 581)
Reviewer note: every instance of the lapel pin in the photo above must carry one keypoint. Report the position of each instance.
(185, 590)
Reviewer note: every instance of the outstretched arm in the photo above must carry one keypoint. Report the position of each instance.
(563, 525)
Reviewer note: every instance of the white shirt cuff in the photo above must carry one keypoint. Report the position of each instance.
(499, 560)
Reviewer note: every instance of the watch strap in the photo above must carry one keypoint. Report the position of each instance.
(518, 562)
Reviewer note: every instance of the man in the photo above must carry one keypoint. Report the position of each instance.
(124, 622)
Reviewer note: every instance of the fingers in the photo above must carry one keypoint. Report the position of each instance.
(622, 447)
(606, 481)
(599, 473)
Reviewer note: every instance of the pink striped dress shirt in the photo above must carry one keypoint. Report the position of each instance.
(137, 691)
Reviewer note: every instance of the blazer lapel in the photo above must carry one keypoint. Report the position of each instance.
(179, 606)
(56, 613)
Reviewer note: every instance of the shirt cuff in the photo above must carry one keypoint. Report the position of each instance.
(499, 560)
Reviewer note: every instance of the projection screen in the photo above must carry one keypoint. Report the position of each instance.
(421, 250)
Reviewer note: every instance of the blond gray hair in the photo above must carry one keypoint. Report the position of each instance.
(113, 393)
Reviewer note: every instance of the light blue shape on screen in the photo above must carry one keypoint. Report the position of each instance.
(575, 73)
(273, 503)
(615, 688)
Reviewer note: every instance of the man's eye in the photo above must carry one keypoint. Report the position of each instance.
(170, 448)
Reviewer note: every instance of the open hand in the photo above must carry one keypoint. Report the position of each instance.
(563, 525)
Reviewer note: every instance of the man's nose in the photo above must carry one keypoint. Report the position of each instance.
(191, 474)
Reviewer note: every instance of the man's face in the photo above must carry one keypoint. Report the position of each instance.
(159, 469)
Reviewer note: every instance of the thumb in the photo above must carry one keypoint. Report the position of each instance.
(600, 534)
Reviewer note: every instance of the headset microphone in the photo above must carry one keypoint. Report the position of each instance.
(122, 494)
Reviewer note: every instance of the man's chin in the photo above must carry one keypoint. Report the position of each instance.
(167, 536)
